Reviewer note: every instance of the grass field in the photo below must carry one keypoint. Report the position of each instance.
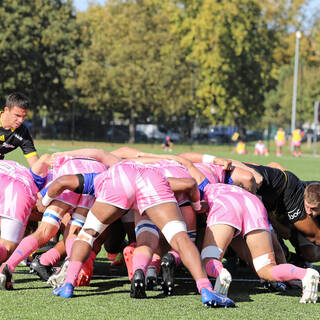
(108, 295)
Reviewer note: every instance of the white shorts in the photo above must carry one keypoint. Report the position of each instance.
(11, 230)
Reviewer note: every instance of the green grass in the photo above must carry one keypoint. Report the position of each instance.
(109, 298)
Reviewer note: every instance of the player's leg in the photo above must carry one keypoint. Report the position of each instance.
(11, 233)
(260, 245)
(99, 217)
(47, 229)
(171, 260)
(168, 219)
(147, 235)
(216, 240)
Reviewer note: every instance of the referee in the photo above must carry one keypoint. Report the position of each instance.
(13, 133)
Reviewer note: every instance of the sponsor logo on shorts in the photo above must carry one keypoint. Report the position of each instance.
(2, 138)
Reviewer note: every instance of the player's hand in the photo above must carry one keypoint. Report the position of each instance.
(226, 163)
(204, 207)
(39, 205)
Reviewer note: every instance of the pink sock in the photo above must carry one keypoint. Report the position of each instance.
(176, 257)
(204, 283)
(74, 268)
(50, 257)
(140, 261)
(3, 253)
(24, 249)
(156, 262)
(285, 272)
(69, 244)
(214, 267)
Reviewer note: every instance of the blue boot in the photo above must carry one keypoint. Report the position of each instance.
(65, 291)
(215, 299)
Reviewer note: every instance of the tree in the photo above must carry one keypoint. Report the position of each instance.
(133, 65)
(38, 42)
(231, 44)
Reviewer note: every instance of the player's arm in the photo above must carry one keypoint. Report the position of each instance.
(258, 177)
(125, 152)
(190, 187)
(28, 147)
(309, 227)
(194, 172)
(107, 158)
(32, 159)
(40, 166)
(276, 165)
(67, 182)
(207, 158)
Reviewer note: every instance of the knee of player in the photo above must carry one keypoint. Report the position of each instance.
(263, 265)
(175, 231)
(91, 232)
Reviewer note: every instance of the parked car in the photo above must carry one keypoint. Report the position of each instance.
(120, 134)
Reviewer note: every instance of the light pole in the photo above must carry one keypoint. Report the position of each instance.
(295, 85)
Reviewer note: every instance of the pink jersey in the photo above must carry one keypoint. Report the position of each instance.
(73, 165)
(236, 207)
(17, 196)
(173, 169)
(128, 185)
(214, 173)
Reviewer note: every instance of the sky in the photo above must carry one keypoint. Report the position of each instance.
(82, 5)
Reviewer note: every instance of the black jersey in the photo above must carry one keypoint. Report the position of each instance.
(12, 139)
(273, 184)
(282, 192)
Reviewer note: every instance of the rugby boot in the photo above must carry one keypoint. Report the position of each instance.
(223, 282)
(151, 278)
(6, 279)
(58, 277)
(214, 299)
(274, 286)
(44, 272)
(85, 274)
(168, 266)
(128, 256)
(118, 260)
(310, 287)
(138, 289)
(65, 291)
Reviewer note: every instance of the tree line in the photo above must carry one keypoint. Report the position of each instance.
(170, 62)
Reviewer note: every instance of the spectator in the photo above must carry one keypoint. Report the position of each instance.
(241, 147)
(280, 139)
(260, 149)
(296, 142)
(167, 144)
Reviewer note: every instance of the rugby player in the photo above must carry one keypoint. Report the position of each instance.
(125, 185)
(13, 133)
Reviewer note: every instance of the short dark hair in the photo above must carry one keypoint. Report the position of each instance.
(312, 193)
(17, 99)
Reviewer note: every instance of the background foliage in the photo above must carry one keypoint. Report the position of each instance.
(170, 62)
